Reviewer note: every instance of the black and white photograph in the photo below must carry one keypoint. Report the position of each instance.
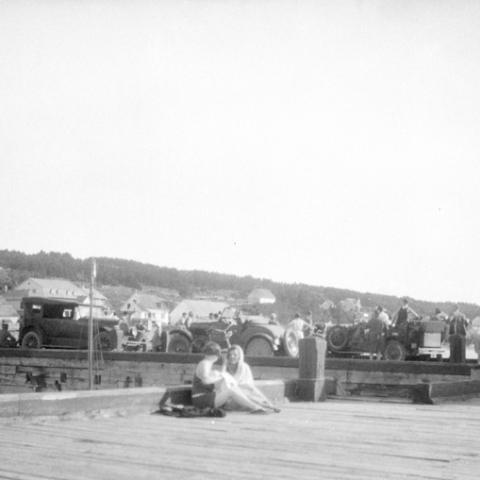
(239, 239)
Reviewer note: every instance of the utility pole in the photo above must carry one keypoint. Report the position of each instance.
(90, 326)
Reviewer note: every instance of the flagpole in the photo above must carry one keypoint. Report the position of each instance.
(90, 327)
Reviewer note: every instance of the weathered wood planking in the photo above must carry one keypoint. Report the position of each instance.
(332, 440)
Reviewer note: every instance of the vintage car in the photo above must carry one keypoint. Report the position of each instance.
(47, 322)
(415, 340)
(254, 333)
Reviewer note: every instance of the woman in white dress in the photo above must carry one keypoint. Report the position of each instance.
(242, 374)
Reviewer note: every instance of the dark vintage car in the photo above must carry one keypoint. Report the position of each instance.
(255, 334)
(419, 339)
(47, 322)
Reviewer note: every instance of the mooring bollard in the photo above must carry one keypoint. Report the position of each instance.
(311, 369)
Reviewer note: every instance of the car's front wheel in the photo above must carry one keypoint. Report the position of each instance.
(394, 350)
(337, 338)
(32, 339)
(259, 347)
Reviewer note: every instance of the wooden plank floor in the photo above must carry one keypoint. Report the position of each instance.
(331, 440)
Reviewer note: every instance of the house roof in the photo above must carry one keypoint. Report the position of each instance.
(62, 285)
(147, 301)
(54, 283)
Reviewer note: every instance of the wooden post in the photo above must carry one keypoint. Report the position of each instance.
(311, 369)
(90, 327)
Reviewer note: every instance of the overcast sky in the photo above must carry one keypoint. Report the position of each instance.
(331, 143)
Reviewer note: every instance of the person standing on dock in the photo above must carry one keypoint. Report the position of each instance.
(300, 326)
(7, 340)
(375, 334)
(457, 329)
(458, 323)
(405, 312)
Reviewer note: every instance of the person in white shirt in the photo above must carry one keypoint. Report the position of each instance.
(299, 326)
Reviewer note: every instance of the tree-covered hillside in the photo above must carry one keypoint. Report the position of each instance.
(18, 266)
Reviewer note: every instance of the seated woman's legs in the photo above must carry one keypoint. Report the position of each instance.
(233, 393)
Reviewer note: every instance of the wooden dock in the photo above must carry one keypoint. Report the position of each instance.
(331, 440)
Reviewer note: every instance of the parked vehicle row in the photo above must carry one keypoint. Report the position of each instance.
(56, 323)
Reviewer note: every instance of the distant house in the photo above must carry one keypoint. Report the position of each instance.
(261, 296)
(145, 307)
(201, 309)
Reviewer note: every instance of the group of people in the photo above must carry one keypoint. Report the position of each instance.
(227, 382)
(455, 324)
(379, 321)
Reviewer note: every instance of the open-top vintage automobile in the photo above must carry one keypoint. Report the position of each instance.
(255, 334)
(419, 339)
(47, 322)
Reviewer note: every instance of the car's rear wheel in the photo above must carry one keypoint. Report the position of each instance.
(337, 338)
(259, 347)
(394, 350)
(105, 341)
(32, 339)
(178, 344)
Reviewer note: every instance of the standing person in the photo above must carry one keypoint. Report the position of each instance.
(457, 329)
(182, 321)
(242, 373)
(189, 320)
(458, 323)
(299, 326)
(7, 340)
(403, 313)
(383, 316)
(475, 335)
(375, 334)
(214, 388)
(155, 337)
(273, 319)
(441, 317)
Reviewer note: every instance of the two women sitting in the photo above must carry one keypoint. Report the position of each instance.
(228, 385)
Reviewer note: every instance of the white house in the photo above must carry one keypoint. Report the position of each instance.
(145, 307)
(261, 295)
